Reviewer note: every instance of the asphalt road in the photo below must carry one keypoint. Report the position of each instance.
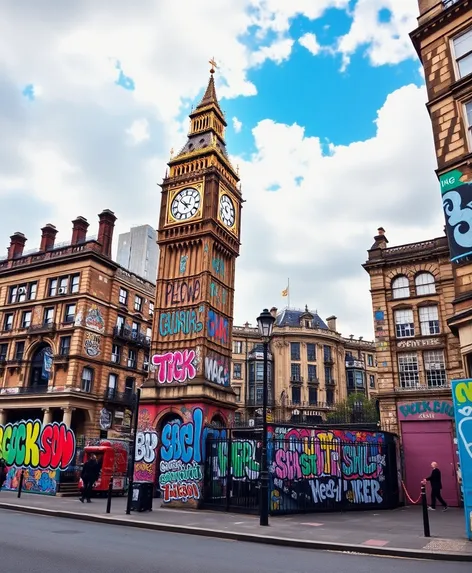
(38, 543)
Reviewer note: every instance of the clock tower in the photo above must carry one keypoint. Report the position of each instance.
(198, 237)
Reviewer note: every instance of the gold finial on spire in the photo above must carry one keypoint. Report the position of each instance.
(213, 64)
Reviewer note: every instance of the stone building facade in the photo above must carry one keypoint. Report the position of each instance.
(74, 332)
(412, 288)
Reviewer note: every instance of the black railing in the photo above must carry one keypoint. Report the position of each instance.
(37, 389)
(313, 380)
(112, 395)
(330, 382)
(45, 327)
(130, 335)
(296, 379)
(449, 3)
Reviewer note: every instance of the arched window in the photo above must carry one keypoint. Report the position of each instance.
(401, 287)
(41, 366)
(425, 284)
(87, 379)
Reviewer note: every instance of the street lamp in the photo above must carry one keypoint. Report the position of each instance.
(137, 400)
(265, 323)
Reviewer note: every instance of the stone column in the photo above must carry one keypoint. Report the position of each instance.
(47, 416)
(67, 417)
(3, 416)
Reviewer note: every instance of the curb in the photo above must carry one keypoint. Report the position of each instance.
(246, 537)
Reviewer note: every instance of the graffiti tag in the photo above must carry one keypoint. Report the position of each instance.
(175, 366)
(179, 322)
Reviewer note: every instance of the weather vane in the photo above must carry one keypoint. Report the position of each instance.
(213, 64)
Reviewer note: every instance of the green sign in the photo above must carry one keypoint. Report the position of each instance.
(450, 180)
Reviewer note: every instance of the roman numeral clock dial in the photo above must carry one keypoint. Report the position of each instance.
(227, 212)
(186, 204)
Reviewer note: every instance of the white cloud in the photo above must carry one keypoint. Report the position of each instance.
(278, 51)
(386, 42)
(237, 124)
(138, 131)
(310, 42)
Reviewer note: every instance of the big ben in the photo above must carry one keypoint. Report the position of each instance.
(199, 241)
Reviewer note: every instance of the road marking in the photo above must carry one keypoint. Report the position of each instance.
(376, 542)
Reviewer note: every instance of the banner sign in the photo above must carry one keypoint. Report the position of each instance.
(457, 205)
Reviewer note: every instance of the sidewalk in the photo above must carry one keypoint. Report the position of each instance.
(397, 533)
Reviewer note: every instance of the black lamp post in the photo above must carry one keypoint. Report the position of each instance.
(265, 322)
(129, 500)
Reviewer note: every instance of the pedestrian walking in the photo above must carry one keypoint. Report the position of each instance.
(3, 472)
(90, 473)
(436, 487)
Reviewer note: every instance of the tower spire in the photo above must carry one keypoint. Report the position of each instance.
(209, 97)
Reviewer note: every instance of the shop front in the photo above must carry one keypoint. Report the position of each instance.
(427, 432)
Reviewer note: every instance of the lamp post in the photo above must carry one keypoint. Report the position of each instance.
(133, 453)
(265, 322)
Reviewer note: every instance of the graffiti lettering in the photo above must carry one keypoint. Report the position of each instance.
(323, 491)
(217, 327)
(463, 392)
(179, 322)
(183, 264)
(175, 366)
(182, 292)
(180, 492)
(183, 441)
(30, 444)
(218, 292)
(216, 370)
(218, 266)
(146, 444)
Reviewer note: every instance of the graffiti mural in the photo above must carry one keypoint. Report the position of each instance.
(183, 264)
(218, 328)
(180, 322)
(146, 454)
(94, 319)
(177, 366)
(92, 344)
(41, 451)
(218, 266)
(183, 292)
(217, 368)
(218, 293)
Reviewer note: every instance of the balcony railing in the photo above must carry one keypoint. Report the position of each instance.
(313, 380)
(14, 390)
(310, 405)
(40, 328)
(130, 335)
(423, 387)
(330, 382)
(328, 360)
(296, 379)
(112, 395)
(449, 3)
(355, 363)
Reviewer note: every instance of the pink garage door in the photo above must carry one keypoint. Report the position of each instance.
(423, 443)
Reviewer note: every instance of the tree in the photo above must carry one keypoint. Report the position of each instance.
(357, 408)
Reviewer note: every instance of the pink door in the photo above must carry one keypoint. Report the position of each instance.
(423, 443)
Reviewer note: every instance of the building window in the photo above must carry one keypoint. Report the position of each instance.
(23, 292)
(123, 298)
(64, 348)
(237, 347)
(259, 371)
(151, 309)
(311, 352)
(69, 315)
(370, 360)
(26, 319)
(237, 371)
(3, 352)
(435, 368)
(146, 362)
(371, 381)
(131, 358)
(138, 303)
(359, 378)
(404, 325)
(429, 320)
(350, 379)
(294, 351)
(401, 287)
(328, 374)
(52, 290)
(48, 315)
(311, 373)
(408, 369)
(148, 333)
(425, 284)
(129, 385)
(463, 53)
(74, 284)
(327, 355)
(120, 322)
(296, 395)
(112, 384)
(330, 397)
(468, 117)
(87, 379)
(19, 350)
(116, 353)
(295, 373)
(312, 396)
(135, 328)
(8, 321)
(237, 391)
(64, 285)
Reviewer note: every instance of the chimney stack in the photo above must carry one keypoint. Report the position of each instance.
(380, 239)
(17, 245)
(48, 236)
(79, 230)
(331, 320)
(105, 231)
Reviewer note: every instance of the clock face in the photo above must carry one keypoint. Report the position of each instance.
(227, 213)
(186, 204)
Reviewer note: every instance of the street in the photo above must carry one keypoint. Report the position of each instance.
(38, 543)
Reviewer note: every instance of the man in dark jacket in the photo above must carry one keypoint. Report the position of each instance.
(436, 486)
(3, 472)
(90, 473)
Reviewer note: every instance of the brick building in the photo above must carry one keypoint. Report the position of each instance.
(412, 289)
(74, 332)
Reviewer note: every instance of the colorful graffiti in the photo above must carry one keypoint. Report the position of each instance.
(34, 480)
(183, 264)
(218, 328)
(178, 366)
(218, 293)
(218, 266)
(92, 344)
(217, 368)
(30, 444)
(183, 292)
(180, 322)
(146, 454)
(94, 319)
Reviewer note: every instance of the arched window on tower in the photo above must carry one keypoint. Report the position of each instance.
(400, 287)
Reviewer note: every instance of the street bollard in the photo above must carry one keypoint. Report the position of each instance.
(20, 485)
(424, 503)
(110, 491)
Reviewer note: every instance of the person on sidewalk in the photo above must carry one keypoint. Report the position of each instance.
(90, 473)
(3, 472)
(436, 487)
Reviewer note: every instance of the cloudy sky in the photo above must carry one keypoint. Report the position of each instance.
(326, 110)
